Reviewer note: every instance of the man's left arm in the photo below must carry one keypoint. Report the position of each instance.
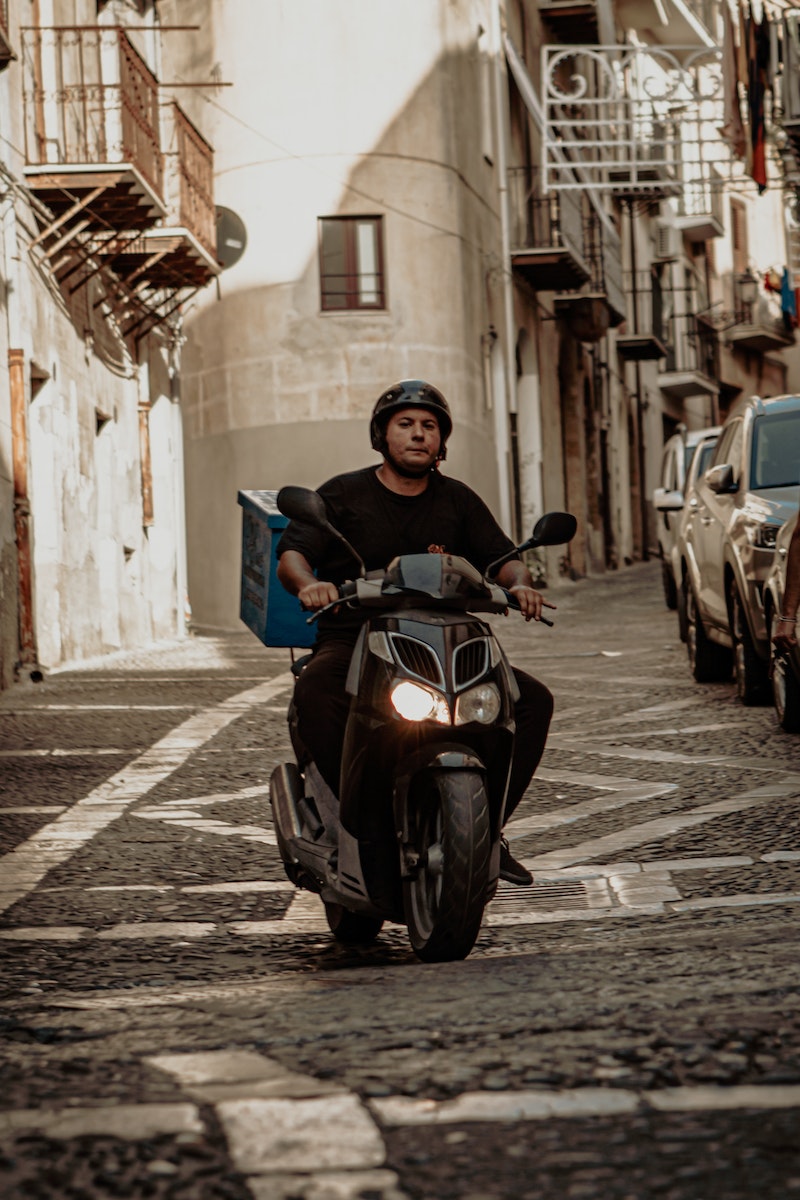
(515, 577)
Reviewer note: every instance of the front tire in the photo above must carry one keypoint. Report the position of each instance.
(752, 682)
(668, 583)
(445, 892)
(683, 619)
(785, 690)
(709, 662)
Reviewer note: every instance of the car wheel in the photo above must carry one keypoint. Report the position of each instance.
(750, 671)
(668, 583)
(683, 622)
(785, 689)
(709, 662)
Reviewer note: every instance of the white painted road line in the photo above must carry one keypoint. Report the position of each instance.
(579, 1103)
(131, 1121)
(24, 867)
(663, 827)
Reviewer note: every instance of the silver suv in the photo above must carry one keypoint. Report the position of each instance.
(728, 539)
(685, 456)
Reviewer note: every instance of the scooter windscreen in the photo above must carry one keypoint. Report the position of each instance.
(442, 576)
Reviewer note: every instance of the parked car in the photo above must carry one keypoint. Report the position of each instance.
(785, 670)
(686, 455)
(728, 542)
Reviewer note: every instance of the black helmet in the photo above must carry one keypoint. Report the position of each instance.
(409, 393)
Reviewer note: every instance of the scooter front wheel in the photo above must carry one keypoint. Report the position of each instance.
(445, 891)
(352, 929)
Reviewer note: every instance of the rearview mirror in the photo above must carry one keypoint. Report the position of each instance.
(301, 504)
(667, 501)
(553, 529)
(720, 479)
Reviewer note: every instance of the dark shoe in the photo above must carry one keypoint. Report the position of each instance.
(511, 870)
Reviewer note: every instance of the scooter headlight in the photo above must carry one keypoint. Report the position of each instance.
(481, 704)
(416, 703)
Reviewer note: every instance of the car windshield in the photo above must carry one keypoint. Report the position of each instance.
(776, 451)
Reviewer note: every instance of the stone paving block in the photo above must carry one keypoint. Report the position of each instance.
(329, 1185)
(301, 1135)
(131, 1121)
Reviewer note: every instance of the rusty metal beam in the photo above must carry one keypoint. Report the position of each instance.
(22, 512)
(71, 212)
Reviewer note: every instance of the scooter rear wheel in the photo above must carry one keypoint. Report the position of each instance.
(353, 929)
(445, 893)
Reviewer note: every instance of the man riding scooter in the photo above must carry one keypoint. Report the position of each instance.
(404, 506)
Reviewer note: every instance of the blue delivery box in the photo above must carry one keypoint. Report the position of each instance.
(274, 616)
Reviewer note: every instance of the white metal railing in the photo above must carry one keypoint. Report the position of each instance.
(631, 117)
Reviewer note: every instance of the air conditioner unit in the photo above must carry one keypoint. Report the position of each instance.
(668, 241)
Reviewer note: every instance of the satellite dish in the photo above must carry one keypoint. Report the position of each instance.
(231, 237)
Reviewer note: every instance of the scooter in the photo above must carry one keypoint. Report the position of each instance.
(414, 836)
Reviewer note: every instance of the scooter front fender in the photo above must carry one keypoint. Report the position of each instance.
(448, 759)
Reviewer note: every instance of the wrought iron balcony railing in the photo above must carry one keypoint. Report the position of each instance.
(547, 238)
(89, 100)
(189, 177)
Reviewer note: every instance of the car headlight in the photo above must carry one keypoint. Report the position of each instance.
(763, 535)
(416, 703)
(481, 704)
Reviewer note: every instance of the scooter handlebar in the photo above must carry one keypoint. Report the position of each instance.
(513, 603)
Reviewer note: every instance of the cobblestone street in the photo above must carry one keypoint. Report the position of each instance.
(178, 1022)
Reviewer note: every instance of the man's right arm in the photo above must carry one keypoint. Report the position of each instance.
(297, 576)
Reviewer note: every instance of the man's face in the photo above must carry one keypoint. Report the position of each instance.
(413, 441)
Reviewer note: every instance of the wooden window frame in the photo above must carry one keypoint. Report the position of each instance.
(352, 275)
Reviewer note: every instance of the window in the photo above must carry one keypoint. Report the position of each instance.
(351, 263)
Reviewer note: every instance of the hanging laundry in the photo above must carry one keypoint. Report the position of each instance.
(788, 301)
(733, 130)
(758, 53)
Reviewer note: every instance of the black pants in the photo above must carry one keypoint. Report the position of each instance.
(323, 705)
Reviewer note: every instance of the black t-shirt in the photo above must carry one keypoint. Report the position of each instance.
(447, 518)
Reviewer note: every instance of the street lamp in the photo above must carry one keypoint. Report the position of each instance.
(747, 287)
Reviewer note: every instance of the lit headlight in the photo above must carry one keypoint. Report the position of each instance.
(481, 703)
(416, 703)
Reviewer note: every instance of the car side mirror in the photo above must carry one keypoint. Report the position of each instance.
(720, 479)
(666, 501)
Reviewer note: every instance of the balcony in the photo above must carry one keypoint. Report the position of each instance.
(759, 328)
(692, 359)
(600, 304)
(180, 252)
(92, 142)
(700, 212)
(642, 339)
(546, 235)
(637, 121)
(648, 164)
(570, 20)
(685, 23)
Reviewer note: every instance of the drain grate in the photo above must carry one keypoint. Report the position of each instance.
(571, 893)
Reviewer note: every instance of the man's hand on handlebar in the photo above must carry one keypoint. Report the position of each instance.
(317, 594)
(530, 601)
